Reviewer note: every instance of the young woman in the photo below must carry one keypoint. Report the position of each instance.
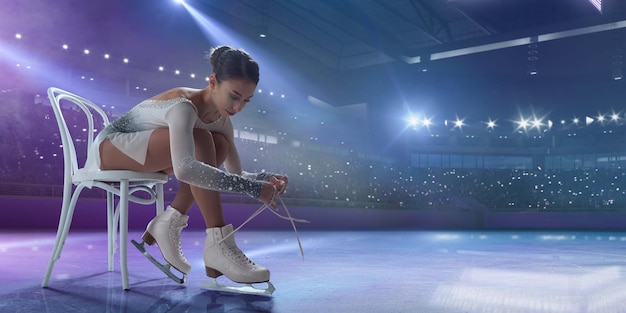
(187, 132)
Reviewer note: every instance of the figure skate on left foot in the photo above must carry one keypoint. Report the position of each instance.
(164, 230)
(223, 257)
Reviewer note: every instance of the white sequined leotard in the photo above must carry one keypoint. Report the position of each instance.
(131, 133)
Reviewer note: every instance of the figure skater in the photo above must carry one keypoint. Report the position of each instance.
(187, 132)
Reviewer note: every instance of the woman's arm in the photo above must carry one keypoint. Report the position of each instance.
(180, 120)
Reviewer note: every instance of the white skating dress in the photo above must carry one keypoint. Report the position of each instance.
(131, 133)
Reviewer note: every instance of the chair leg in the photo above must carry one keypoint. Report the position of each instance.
(124, 190)
(111, 229)
(160, 207)
(67, 189)
(65, 220)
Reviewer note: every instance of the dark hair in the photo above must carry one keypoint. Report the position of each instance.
(230, 63)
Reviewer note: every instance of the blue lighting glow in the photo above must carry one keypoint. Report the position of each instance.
(597, 4)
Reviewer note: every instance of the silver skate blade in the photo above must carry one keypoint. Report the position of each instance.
(165, 268)
(247, 289)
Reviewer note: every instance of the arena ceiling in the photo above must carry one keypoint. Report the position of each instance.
(352, 34)
(499, 40)
(338, 46)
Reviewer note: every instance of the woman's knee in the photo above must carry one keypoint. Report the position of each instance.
(222, 147)
(205, 146)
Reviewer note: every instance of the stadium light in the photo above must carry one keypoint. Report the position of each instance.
(426, 122)
(614, 117)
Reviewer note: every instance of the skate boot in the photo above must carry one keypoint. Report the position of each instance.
(164, 230)
(223, 257)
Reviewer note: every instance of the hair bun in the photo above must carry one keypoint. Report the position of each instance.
(231, 63)
(216, 53)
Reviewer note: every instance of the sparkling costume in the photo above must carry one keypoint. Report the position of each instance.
(131, 134)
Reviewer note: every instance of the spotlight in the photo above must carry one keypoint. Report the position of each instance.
(180, 1)
(615, 117)
(600, 118)
(86, 51)
(426, 122)
(125, 60)
(522, 124)
(459, 123)
(65, 47)
(18, 36)
(107, 56)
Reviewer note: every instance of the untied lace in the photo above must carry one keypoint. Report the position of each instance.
(288, 218)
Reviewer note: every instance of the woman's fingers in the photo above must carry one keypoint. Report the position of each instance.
(268, 195)
(280, 182)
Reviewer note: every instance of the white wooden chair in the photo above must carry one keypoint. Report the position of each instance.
(120, 183)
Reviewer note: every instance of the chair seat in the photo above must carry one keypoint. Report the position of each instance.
(82, 176)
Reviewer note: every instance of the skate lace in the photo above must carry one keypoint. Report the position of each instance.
(234, 253)
(287, 217)
(175, 237)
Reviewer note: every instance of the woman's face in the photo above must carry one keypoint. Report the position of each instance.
(232, 95)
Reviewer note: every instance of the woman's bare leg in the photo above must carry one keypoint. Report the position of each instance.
(209, 201)
(210, 148)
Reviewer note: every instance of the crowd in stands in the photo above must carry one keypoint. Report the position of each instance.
(32, 165)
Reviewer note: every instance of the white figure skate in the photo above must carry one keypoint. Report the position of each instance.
(165, 230)
(223, 257)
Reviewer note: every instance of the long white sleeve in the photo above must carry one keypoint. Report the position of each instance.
(180, 120)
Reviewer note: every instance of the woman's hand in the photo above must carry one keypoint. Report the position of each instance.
(268, 195)
(280, 182)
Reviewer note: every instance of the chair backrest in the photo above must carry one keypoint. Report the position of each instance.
(58, 96)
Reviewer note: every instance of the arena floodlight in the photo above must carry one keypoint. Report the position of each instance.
(459, 123)
(426, 122)
(537, 123)
(522, 124)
